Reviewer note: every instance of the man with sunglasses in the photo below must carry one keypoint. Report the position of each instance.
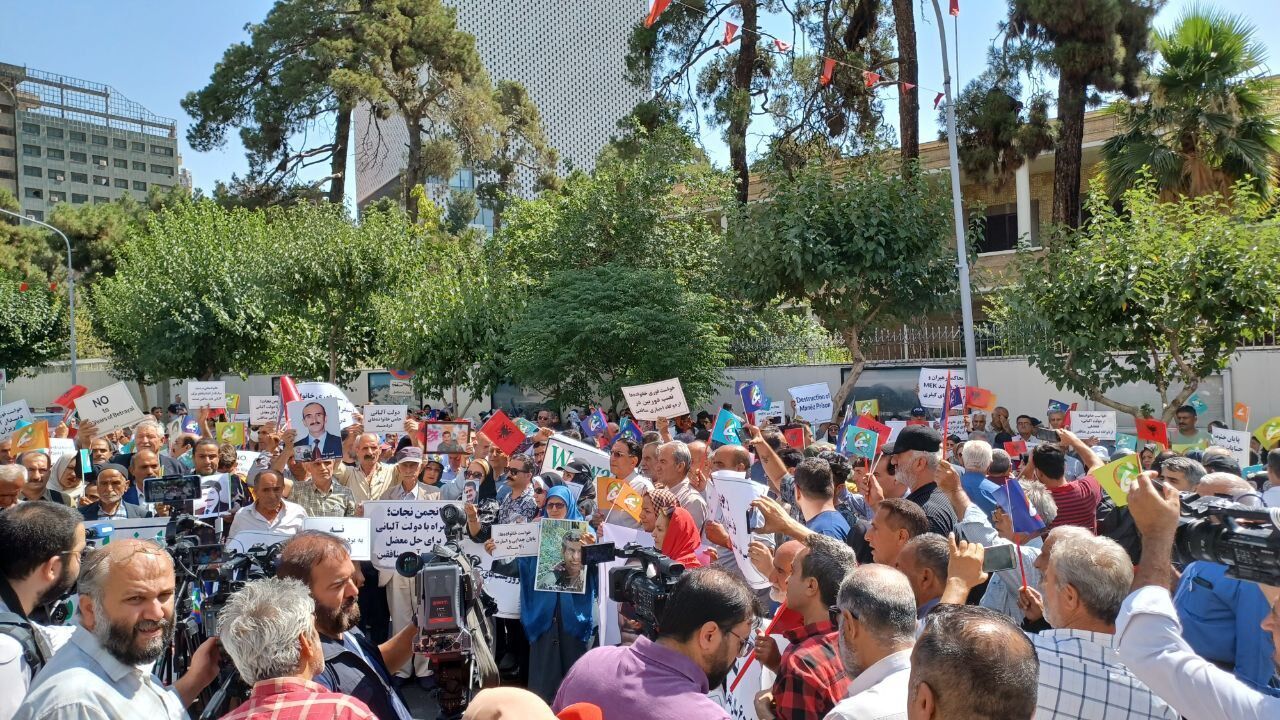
(521, 505)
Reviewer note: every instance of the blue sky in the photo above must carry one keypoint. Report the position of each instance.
(154, 53)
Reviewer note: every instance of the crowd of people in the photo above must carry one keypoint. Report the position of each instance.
(881, 602)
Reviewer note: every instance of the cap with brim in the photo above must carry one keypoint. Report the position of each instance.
(437, 459)
(408, 455)
(915, 437)
(918, 412)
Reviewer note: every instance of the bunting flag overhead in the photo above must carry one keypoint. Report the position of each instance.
(730, 30)
(828, 70)
(656, 9)
(937, 99)
(955, 7)
(906, 86)
(782, 46)
(870, 78)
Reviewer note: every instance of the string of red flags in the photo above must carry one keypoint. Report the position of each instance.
(869, 78)
(782, 46)
(937, 99)
(828, 71)
(729, 31)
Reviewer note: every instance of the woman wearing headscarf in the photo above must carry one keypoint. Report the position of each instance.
(65, 478)
(485, 502)
(678, 537)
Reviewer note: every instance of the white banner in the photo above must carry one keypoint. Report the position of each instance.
(656, 400)
(775, 412)
(206, 394)
(1096, 424)
(383, 419)
(562, 449)
(516, 539)
(504, 590)
(356, 531)
(401, 526)
(1237, 441)
(813, 402)
(729, 497)
(932, 386)
(110, 408)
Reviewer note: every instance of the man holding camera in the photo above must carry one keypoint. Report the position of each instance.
(705, 628)
(1148, 638)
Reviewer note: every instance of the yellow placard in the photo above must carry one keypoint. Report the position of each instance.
(230, 432)
(1118, 476)
(31, 437)
(613, 493)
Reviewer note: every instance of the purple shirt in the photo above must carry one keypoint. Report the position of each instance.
(621, 679)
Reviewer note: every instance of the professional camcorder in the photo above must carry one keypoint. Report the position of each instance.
(1245, 539)
(645, 588)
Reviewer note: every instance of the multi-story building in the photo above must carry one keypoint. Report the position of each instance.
(568, 55)
(68, 140)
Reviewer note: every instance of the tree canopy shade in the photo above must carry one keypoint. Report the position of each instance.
(588, 333)
(862, 244)
(1161, 292)
(1208, 121)
(33, 327)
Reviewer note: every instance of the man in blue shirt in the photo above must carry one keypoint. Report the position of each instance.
(815, 494)
(1220, 617)
(976, 455)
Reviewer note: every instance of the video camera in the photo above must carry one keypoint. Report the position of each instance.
(646, 588)
(1245, 539)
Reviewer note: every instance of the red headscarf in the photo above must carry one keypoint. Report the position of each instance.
(682, 539)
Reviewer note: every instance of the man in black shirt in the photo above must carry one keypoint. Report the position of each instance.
(914, 455)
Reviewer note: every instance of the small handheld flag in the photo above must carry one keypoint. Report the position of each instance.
(1012, 499)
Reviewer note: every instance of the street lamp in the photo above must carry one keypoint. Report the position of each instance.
(71, 284)
(966, 302)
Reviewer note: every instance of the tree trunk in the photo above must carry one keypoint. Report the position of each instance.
(413, 168)
(142, 393)
(338, 166)
(1066, 163)
(852, 341)
(740, 112)
(333, 356)
(908, 72)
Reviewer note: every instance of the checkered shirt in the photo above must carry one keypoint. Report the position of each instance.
(811, 678)
(1082, 678)
(297, 699)
(338, 502)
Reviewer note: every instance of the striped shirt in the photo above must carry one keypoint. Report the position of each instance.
(1082, 678)
(1077, 502)
(292, 698)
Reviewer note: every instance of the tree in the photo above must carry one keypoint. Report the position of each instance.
(1161, 293)
(253, 194)
(522, 147)
(25, 253)
(997, 132)
(861, 247)
(1206, 123)
(413, 62)
(908, 72)
(33, 327)
(1097, 45)
(576, 344)
(276, 88)
(460, 210)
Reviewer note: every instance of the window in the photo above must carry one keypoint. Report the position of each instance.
(139, 166)
(56, 175)
(55, 154)
(6, 152)
(165, 188)
(161, 150)
(121, 163)
(100, 140)
(33, 193)
(139, 185)
(35, 215)
(120, 143)
(7, 175)
(1000, 231)
(121, 183)
(54, 132)
(98, 200)
(139, 146)
(31, 151)
(162, 170)
(79, 157)
(79, 199)
(32, 171)
(100, 160)
(80, 178)
(57, 197)
(30, 128)
(76, 136)
(6, 109)
(101, 180)
(5, 130)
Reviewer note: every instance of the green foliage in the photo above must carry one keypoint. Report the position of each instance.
(33, 327)
(253, 194)
(996, 131)
(522, 146)
(1206, 123)
(25, 252)
(589, 332)
(460, 210)
(1161, 293)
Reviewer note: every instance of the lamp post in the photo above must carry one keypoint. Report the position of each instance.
(71, 284)
(966, 302)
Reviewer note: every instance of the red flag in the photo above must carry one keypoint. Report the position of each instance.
(782, 46)
(654, 11)
(955, 7)
(906, 87)
(828, 69)
(288, 393)
(22, 287)
(794, 437)
(881, 430)
(1153, 430)
(503, 432)
(937, 99)
(1016, 448)
(870, 78)
(1066, 417)
(980, 398)
(729, 31)
(68, 398)
(53, 286)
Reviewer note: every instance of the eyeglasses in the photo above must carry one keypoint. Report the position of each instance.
(520, 471)
(557, 506)
(747, 643)
(539, 491)
(473, 475)
(835, 611)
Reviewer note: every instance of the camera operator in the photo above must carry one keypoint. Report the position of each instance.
(126, 624)
(352, 664)
(42, 543)
(706, 626)
(1147, 630)
(268, 628)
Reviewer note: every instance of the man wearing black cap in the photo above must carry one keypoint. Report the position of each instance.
(914, 455)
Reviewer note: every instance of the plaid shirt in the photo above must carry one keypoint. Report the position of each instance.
(1081, 677)
(297, 699)
(811, 678)
(338, 502)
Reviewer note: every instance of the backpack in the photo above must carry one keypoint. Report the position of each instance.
(18, 628)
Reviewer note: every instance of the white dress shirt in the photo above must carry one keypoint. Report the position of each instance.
(879, 692)
(288, 521)
(15, 673)
(1082, 679)
(1150, 644)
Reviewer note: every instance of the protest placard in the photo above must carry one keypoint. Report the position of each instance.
(663, 399)
(813, 402)
(1237, 441)
(1095, 424)
(1117, 476)
(229, 432)
(958, 425)
(12, 414)
(401, 526)
(1268, 433)
(446, 438)
(263, 409)
(560, 567)
(867, 407)
(356, 531)
(318, 432)
(729, 496)
(859, 442)
(383, 419)
(561, 449)
(1125, 441)
(615, 494)
(773, 413)
(233, 402)
(932, 386)
(503, 588)
(110, 408)
(61, 446)
(247, 539)
(516, 539)
(151, 528)
(206, 394)
(400, 389)
(315, 390)
(245, 460)
(30, 437)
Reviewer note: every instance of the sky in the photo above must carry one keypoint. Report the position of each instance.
(155, 53)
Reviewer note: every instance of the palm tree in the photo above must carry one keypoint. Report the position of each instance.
(1206, 123)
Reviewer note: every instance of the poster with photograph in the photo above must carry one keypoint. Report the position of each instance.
(560, 566)
(319, 429)
(447, 438)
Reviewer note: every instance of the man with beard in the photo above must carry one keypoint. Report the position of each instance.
(352, 664)
(877, 631)
(126, 623)
(704, 630)
(42, 542)
(111, 484)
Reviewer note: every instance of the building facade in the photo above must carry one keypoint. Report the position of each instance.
(65, 140)
(568, 55)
